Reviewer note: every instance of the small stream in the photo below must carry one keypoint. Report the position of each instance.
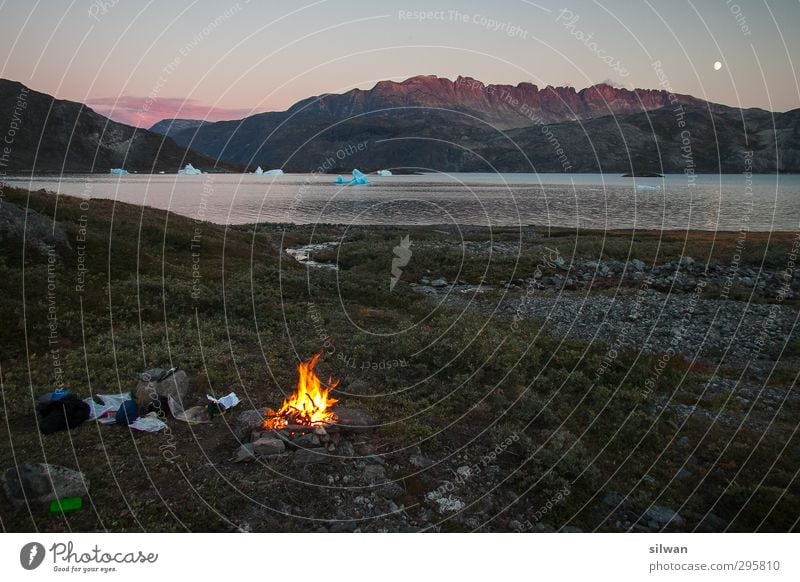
(304, 253)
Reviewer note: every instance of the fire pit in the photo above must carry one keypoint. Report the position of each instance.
(308, 407)
(305, 429)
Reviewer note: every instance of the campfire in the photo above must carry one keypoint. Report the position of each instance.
(308, 407)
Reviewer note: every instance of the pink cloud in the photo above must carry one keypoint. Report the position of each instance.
(145, 111)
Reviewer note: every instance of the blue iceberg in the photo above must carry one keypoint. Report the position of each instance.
(258, 171)
(273, 173)
(647, 187)
(384, 172)
(359, 179)
(189, 170)
(118, 172)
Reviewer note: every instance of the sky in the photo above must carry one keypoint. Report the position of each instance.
(139, 61)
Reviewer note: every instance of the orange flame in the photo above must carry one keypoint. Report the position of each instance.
(309, 406)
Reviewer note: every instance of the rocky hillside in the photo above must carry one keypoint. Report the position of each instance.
(504, 106)
(54, 135)
(430, 123)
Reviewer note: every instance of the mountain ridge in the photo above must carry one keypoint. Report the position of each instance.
(438, 124)
(507, 106)
(59, 135)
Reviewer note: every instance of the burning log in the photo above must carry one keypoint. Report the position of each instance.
(308, 407)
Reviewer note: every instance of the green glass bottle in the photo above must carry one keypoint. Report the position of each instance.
(66, 505)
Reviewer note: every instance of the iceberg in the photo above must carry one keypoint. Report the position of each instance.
(118, 172)
(384, 172)
(359, 179)
(647, 187)
(273, 173)
(189, 170)
(258, 171)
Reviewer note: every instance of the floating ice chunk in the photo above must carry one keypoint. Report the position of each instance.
(258, 171)
(274, 173)
(189, 170)
(647, 187)
(384, 172)
(118, 172)
(359, 179)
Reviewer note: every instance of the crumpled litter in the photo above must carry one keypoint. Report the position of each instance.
(106, 411)
(193, 415)
(227, 402)
(149, 423)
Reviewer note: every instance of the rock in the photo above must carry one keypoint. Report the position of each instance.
(683, 442)
(663, 516)
(306, 441)
(390, 490)
(149, 389)
(268, 446)
(373, 473)
(346, 449)
(374, 460)
(19, 227)
(42, 483)
(244, 453)
(471, 522)
(445, 503)
(612, 499)
(354, 420)
(712, 524)
(424, 281)
(357, 387)
(247, 422)
(311, 457)
(439, 283)
(420, 462)
(570, 529)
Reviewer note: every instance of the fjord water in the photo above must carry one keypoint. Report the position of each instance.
(602, 201)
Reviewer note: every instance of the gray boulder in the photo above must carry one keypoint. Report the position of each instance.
(354, 420)
(42, 483)
(663, 516)
(34, 230)
(247, 422)
(150, 388)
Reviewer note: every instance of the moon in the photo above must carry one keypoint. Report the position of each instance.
(717, 66)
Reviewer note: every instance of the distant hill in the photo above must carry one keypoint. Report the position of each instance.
(54, 135)
(463, 125)
(169, 127)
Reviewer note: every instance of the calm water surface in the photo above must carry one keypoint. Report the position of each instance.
(711, 202)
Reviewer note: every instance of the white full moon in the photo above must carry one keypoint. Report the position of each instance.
(717, 66)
